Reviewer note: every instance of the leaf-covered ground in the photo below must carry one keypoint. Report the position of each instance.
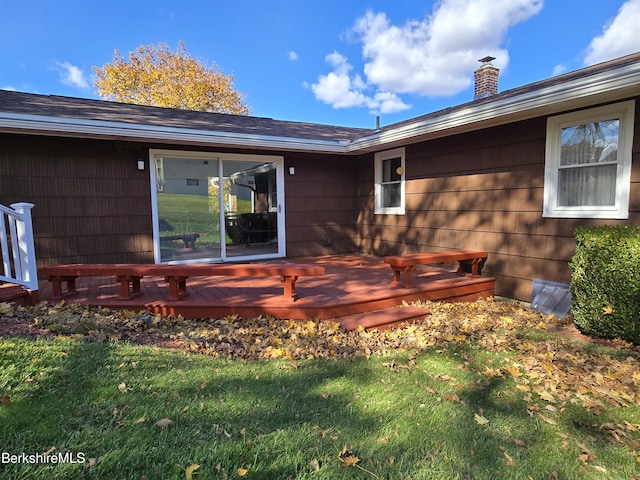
(549, 362)
(553, 367)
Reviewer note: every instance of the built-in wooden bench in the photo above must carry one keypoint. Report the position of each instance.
(129, 275)
(407, 264)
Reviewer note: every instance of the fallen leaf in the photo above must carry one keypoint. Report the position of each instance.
(586, 452)
(90, 463)
(348, 458)
(550, 421)
(123, 388)
(452, 397)
(491, 372)
(188, 472)
(50, 451)
(480, 420)
(546, 396)
(315, 465)
(5, 399)
(140, 420)
(513, 371)
(520, 443)
(164, 422)
(242, 472)
(510, 461)
(6, 308)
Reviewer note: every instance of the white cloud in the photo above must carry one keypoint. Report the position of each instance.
(293, 56)
(387, 102)
(619, 37)
(341, 90)
(435, 56)
(338, 88)
(558, 69)
(72, 75)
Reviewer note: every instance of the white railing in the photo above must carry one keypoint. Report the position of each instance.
(18, 251)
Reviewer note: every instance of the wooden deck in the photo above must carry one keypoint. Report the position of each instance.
(355, 290)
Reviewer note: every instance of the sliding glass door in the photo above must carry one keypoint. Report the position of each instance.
(216, 207)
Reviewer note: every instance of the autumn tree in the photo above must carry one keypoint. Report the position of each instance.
(155, 75)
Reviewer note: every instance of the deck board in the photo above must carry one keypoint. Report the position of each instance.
(352, 284)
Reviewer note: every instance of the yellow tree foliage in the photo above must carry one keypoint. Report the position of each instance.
(155, 75)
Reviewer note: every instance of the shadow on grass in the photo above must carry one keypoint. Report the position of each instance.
(275, 419)
(51, 394)
(272, 418)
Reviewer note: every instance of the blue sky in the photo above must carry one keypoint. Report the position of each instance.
(340, 62)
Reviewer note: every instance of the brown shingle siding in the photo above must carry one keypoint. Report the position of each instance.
(90, 201)
(484, 190)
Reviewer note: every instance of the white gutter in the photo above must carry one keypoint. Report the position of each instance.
(59, 126)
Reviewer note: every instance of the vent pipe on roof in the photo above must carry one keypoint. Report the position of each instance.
(486, 79)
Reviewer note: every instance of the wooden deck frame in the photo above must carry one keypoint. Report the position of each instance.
(351, 286)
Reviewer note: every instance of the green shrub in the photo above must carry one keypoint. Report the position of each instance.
(605, 281)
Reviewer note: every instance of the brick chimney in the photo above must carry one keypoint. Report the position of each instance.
(486, 79)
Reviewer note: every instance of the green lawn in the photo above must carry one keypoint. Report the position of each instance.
(484, 393)
(181, 213)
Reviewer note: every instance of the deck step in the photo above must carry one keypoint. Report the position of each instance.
(382, 319)
(14, 293)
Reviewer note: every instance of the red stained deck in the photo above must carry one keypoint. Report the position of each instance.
(355, 290)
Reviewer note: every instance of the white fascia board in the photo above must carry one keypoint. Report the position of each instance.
(582, 92)
(58, 126)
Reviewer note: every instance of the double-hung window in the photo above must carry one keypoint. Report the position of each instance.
(588, 163)
(389, 182)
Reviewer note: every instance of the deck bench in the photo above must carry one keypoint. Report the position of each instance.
(467, 260)
(129, 275)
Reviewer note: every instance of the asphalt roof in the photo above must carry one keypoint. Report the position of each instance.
(101, 110)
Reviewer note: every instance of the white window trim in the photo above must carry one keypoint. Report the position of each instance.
(625, 113)
(378, 159)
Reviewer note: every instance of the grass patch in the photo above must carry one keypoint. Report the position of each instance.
(182, 213)
(479, 403)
